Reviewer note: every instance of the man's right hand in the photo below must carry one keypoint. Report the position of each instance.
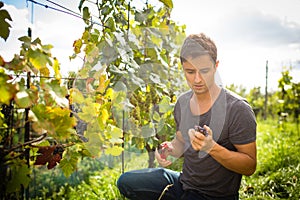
(162, 160)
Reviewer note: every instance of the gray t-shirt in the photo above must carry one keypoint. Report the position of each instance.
(232, 121)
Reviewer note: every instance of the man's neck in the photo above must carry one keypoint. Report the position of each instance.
(201, 103)
(209, 96)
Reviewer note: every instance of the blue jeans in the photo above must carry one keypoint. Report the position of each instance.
(149, 184)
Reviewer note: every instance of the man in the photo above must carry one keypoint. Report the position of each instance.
(216, 157)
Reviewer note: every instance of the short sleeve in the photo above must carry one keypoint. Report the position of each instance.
(242, 128)
(177, 114)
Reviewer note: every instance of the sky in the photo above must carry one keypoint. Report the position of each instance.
(248, 33)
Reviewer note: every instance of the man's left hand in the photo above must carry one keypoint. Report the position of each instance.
(201, 142)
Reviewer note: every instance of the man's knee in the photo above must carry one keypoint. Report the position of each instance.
(123, 184)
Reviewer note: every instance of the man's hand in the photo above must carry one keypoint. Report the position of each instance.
(200, 142)
(162, 158)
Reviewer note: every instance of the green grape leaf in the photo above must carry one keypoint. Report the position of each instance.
(95, 139)
(156, 116)
(110, 23)
(165, 105)
(91, 52)
(20, 176)
(116, 134)
(56, 92)
(68, 163)
(26, 40)
(156, 40)
(4, 31)
(86, 15)
(89, 111)
(148, 130)
(22, 99)
(76, 96)
(26, 97)
(80, 4)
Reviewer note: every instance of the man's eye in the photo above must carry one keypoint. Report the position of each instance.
(204, 71)
(190, 72)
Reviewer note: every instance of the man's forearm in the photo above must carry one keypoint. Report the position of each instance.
(178, 148)
(238, 162)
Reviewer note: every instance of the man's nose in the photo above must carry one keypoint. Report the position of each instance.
(198, 77)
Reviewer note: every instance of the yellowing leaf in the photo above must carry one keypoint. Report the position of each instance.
(116, 141)
(5, 95)
(56, 69)
(56, 121)
(114, 151)
(168, 3)
(38, 59)
(77, 46)
(103, 83)
(7, 90)
(104, 115)
(116, 132)
(45, 71)
(76, 96)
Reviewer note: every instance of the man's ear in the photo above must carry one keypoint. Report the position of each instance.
(217, 63)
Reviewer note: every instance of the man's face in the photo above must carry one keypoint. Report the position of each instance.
(199, 73)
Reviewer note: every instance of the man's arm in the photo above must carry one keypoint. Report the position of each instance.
(178, 145)
(242, 161)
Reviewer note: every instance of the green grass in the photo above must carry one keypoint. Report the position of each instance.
(278, 168)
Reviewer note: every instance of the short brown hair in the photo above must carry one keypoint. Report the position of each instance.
(196, 45)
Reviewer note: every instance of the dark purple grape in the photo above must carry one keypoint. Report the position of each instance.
(201, 130)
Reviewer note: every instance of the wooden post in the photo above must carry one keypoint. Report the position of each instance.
(123, 145)
(266, 94)
(27, 126)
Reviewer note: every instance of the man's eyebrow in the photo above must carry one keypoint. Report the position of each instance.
(207, 67)
(189, 69)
